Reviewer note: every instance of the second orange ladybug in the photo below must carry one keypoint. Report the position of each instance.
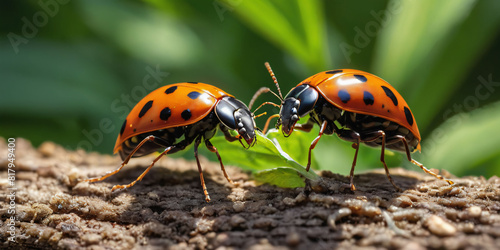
(358, 107)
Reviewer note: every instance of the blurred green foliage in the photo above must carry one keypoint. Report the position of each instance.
(71, 70)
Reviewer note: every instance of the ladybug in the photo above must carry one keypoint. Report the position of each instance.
(174, 116)
(358, 107)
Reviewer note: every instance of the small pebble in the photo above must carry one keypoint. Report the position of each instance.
(485, 217)
(203, 226)
(439, 227)
(467, 227)
(237, 221)
(293, 239)
(289, 201)
(238, 206)
(474, 211)
(47, 149)
(403, 201)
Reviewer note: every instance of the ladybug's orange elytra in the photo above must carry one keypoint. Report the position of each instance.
(172, 117)
(367, 94)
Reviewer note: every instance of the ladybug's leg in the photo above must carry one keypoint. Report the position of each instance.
(196, 144)
(264, 131)
(145, 171)
(314, 142)
(150, 138)
(306, 127)
(403, 139)
(351, 174)
(352, 136)
(229, 137)
(214, 149)
(374, 136)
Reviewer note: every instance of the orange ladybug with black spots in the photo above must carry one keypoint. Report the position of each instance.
(358, 107)
(174, 116)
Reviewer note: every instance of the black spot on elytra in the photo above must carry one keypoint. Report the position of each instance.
(391, 95)
(135, 130)
(170, 90)
(186, 114)
(368, 98)
(409, 116)
(193, 82)
(165, 114)
(334, 71)
(123, 127)
(344, 96)
(145, 108)
(193, 95)
(361, 78)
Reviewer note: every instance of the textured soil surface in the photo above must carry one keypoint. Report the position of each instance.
(167, 208)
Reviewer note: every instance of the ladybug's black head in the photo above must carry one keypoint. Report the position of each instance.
(235, 115)
(288, 115)
(298, 103)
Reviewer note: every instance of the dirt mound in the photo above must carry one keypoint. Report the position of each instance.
(167, 208)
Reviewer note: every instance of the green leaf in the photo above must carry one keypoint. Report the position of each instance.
(274, 151)
(296, 26)
(281, 177)
(331, 153)
(466, 142)
(297, 145)
(264, 155)
(408, 39)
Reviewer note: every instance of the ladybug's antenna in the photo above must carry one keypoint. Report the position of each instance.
(265, 90)
(274, 79)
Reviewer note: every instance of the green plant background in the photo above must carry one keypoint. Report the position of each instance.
(72, 76)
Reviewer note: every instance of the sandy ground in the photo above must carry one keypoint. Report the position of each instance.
(167, 209)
